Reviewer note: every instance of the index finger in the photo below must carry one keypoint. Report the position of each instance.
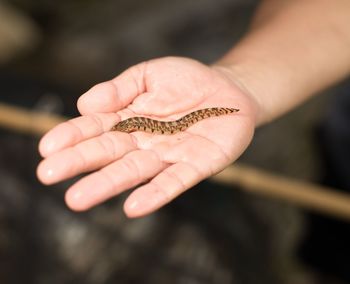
(115, 94)
(76, 130)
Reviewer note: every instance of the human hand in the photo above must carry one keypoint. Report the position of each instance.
(158, 167)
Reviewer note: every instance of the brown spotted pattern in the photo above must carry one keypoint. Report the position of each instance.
(169, 127)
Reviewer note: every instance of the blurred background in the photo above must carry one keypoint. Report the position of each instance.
(51, 52)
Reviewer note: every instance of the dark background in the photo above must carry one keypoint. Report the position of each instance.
(51, 52)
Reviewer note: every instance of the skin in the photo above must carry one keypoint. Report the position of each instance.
(281, 61)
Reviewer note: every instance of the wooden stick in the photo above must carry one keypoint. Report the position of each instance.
(22, 120)
(304, 194)
(309, 196)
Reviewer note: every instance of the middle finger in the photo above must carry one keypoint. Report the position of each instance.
(86, 156)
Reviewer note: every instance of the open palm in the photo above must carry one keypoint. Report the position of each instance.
(158, 167)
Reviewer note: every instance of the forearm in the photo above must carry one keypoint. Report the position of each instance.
(294, 49)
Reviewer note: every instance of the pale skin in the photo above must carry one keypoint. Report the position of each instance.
(293, 50)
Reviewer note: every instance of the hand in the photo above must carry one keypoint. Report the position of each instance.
(158, 167)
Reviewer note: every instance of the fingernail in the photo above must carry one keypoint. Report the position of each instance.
(139, 206)
(46, 146)
(133, 205)
(77, 195)
(49, 172)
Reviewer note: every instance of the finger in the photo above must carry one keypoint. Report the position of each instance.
(160, 103)
(133, 169)
(167, 185)
(86, 156)
(115, 94)
(76, 130)
(202, 153)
